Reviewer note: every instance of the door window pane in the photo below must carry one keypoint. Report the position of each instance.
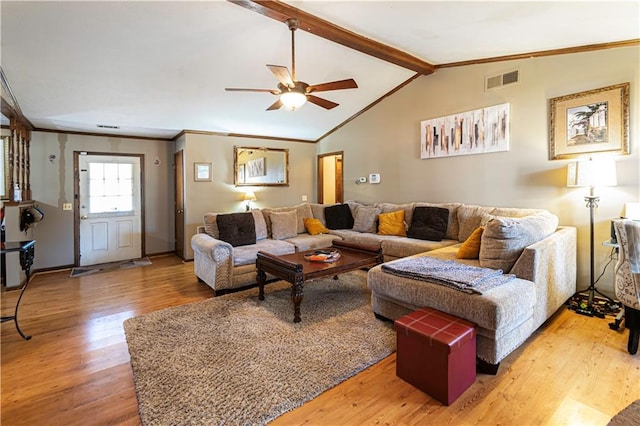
(110, 187)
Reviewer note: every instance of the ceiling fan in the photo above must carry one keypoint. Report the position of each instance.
(292, 94)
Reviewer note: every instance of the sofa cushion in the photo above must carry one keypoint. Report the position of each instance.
(429, 223)
(339, 217)
(470, 216)
(396, 247)
(470, 249)
(392, 224)
(261, 224)
(314, 226)
(211, 225)
(284, 224)
(366, 219)
(304, 242)
(238, 229)
(303, 211)
(246, 255)
(504, 238)
(318, 211)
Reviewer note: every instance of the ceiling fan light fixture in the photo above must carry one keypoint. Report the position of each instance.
(293, 100)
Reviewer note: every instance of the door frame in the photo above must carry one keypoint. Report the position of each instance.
(76, 199)
(320, 176)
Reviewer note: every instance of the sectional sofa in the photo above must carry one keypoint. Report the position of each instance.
(525, 242)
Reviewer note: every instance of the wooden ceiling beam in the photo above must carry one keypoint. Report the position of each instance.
(314, 25)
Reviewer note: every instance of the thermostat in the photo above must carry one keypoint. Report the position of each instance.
(374, 178)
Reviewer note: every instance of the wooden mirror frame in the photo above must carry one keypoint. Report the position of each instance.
(269, 166)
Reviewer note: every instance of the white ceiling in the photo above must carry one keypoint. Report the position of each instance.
(157, 68)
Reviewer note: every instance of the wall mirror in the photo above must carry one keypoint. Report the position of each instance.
(261, 166)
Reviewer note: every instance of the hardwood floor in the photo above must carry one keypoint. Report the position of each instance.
(75, 369)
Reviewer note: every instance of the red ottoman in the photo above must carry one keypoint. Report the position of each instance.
(436, 352)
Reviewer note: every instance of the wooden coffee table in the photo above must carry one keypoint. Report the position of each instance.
(295, 269)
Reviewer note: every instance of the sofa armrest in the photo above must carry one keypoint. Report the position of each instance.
(551, 265)
(213, 260)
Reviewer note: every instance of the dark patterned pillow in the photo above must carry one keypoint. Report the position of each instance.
(238, 229)
(338, 217)
(429, 223)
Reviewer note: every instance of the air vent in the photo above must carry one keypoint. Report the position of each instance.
(500, 80)
(107, 126)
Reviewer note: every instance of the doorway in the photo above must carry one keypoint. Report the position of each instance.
(330, 178)
(109, 211)
(178, 167)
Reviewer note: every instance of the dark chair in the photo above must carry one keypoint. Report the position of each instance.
(627, 285)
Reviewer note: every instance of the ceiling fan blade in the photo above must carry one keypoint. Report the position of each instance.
(234, 89)
(274, 106)
(282, 74)
(333, 85)
(321, 102)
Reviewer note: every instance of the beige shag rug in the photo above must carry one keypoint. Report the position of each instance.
(238, 361)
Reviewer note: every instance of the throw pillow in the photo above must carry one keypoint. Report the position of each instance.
(470, 249)
(314, 226)
(261, 225)
(338, 217)
(392, 224)
(505, 238)
(284, 224)
(238, 229)
(365, 220)
(429, 223)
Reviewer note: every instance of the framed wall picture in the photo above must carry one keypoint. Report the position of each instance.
(591, 122)
(202, 172)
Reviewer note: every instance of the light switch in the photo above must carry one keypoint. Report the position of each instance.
(304, 198)
(67, 206)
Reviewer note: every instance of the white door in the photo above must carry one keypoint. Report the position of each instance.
(110, 219)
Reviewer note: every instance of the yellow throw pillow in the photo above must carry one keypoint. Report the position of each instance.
(314, 226)
(392, 224)
(470, 249)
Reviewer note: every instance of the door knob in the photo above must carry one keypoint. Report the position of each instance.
(83, 217)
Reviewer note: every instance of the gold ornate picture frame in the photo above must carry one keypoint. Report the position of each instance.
(588, 123)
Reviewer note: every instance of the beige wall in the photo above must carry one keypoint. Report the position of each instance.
(385, 140)
(52, 185)
(221, 195)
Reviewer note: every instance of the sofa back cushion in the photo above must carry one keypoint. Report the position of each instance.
(238, 229)
(366, 219)
(261, 224)
(284, 224)
(338, 217)
(318, 211)
(429, 223)
(211, 225)
(504, 238)
(302, 211)
(470, 216)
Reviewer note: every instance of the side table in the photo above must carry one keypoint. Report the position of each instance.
(27, 254)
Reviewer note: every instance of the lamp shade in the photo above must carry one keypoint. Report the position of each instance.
(599, 172)
(249, 196)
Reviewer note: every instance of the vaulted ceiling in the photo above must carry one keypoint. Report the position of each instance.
(154, 69)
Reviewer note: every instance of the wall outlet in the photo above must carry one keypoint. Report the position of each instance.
(67, 206)
(304, 198)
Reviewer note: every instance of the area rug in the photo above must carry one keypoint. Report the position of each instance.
(105, 267)
(240, 361)
(630, 416)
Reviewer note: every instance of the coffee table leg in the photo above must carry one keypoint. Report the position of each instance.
(262, 278)
(296, 298)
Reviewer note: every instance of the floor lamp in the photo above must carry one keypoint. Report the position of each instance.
(591, 173)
